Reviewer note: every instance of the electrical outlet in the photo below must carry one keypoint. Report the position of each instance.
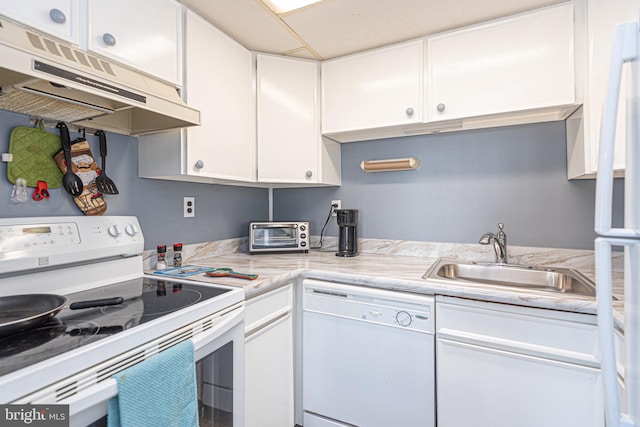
(333, 210)
(189, 207)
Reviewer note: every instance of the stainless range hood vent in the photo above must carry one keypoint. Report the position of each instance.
(49, 79)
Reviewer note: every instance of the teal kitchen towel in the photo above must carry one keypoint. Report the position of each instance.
(160, 391)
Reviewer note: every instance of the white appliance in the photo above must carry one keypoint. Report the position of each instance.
(368, 357)
(70, 358)
(622, 407)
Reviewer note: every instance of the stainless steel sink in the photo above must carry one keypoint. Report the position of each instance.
(525, 278)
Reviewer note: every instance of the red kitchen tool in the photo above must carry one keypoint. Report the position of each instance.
(41, 192)
(227, 272)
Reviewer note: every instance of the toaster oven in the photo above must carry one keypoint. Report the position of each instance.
(278, 237)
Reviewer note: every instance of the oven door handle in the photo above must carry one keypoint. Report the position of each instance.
(204, 344)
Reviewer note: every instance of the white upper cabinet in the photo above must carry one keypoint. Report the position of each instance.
(525, 62)
(218, 82)
(375, 89)
(514, 70)
(143, 34)
(59, 18)
(583, 128)
(290, 147)
(267, 134)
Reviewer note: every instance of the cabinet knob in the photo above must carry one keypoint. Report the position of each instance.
(199, 164)
(57, 16)
(409, 111)
(309, 174)
(109, 39)
(441, 107)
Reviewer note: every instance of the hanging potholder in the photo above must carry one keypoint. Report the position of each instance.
(32, 150)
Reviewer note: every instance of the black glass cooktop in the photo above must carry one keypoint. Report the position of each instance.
(144, 300)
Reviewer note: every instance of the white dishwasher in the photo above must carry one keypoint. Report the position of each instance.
(368, 357)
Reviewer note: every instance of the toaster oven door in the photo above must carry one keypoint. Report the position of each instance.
(274, 237)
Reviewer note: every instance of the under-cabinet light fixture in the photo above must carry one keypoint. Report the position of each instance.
(407, 164)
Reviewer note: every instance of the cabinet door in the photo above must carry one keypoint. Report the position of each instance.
(601, 26)
(269, 375)
(218, 83)
(583, 130)
(288, 121)
(520, 63)
(374, 89)
(144, 34)
(478, 386)
(269, 359)
(56, 17)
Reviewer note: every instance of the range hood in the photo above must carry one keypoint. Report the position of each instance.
(46, 78)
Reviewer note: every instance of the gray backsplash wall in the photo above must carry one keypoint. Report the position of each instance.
(221, 211)
(467, 183)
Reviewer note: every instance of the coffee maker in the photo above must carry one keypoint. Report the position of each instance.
(348, 232)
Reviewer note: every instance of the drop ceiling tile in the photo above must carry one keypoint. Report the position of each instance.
(247, 22)
(339, 27)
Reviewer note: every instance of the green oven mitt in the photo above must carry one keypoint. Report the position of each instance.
(33, 149)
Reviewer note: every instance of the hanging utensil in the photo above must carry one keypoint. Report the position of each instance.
(70, 181)
(103, 182)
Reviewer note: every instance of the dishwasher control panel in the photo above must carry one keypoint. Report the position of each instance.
(380, 306)
(414, 318)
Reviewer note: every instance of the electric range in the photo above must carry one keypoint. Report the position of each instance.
(89, 258)
(146, 300)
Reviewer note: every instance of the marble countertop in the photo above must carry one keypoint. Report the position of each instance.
(397, 266)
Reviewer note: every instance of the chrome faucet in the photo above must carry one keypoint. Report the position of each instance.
(499, 241)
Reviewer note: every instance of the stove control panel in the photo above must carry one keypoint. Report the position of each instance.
(34, 236)
(31, 243)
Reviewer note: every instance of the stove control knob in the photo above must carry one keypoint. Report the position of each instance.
(403, 318)
(131, 230)
(114, 231)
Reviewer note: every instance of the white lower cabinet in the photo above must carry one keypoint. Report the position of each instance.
(269, 359)
(500, 365)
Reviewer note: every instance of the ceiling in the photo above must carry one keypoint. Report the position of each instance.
(333, 28)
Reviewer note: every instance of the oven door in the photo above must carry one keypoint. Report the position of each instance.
(219, 354)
